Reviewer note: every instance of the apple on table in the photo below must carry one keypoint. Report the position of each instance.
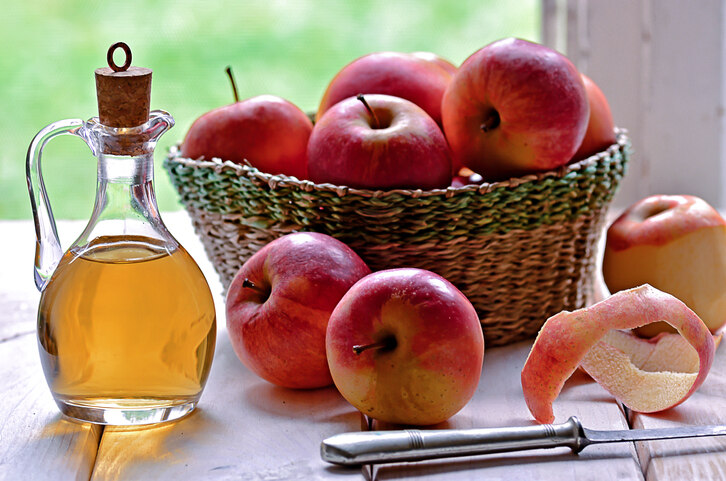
(405, 346)
(378, 142)
(279, 303)
(513, 108)
(269, 132)
(676, 243)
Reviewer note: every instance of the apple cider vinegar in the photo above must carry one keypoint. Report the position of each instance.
(124, 322)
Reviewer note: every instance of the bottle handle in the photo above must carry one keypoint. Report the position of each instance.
(48, 250)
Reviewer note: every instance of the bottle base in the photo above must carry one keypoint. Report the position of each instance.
(126, 412)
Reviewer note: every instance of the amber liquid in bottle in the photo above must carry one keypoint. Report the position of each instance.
(124, 323)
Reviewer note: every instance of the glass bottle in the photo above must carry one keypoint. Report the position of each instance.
(126, 322)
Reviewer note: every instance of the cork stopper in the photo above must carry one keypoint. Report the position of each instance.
(124, 93)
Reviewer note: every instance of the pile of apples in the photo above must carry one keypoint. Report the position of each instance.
(401, 345)
(404, 345)
(395, 120)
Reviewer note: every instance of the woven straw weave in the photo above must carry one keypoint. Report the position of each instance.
(520, 250)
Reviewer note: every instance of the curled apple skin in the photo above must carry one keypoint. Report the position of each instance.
(569, 339)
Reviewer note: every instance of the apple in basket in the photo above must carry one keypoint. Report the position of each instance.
(466, 176)
(269, 132)
(676, 243)
(378, 142)
(600, 133)
(419, 77)
(405, 346)
(279, 303)
(437, 60)
(514, 108)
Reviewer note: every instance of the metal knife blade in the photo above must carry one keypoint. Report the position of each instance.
(375, 447)
(595, 437)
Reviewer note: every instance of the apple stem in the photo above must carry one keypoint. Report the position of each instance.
(376, 123)
(234, 84)
(387, 344)
(491, 122)
(251, 285)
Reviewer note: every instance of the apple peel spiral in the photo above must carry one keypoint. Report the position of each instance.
(646, 375)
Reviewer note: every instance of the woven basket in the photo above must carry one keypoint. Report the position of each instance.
(520, 250)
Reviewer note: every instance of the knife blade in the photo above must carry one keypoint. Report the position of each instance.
(374, 447)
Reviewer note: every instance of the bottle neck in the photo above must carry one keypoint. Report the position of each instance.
(125, 188)
(125, 201)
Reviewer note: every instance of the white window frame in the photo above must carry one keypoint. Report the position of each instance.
(661, 65)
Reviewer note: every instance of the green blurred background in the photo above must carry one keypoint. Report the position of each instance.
(287, 48)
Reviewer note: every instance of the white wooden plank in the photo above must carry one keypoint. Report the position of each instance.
(683, 128)
(692, 459)
(609, 41)
(499, 402)
(661, 66)
(36, 442)
(18, 315)
(18, 295)
(553, 24)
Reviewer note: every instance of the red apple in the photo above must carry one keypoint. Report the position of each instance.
(514, 108)
(600, 133)
(676, 243)
(379, 142)
(420, 77)
(268, 131)
(405, 346)
(279, 303)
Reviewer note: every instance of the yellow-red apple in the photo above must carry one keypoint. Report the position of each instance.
(676, 243)
(584, 337)
(514, 108)
(419, 77)
(279, 303)
(379, 142)
(600, 133)
(269, 132)
(405, 346)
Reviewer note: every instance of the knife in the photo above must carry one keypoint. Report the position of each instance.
(374, 447)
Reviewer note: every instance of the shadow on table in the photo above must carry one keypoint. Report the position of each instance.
(317, 404)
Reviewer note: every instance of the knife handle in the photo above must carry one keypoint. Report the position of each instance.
(375, 447)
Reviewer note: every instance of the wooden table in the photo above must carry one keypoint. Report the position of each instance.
(248, 429)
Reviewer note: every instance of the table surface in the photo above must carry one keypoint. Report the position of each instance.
(245, 428)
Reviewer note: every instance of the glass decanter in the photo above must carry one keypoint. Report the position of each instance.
(126, 322)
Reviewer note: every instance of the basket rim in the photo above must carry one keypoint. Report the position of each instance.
(275, 181)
